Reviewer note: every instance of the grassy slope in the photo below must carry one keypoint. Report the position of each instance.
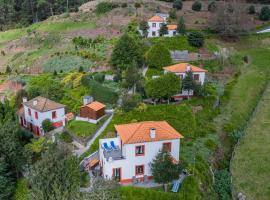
(81, 129)
(250, 167)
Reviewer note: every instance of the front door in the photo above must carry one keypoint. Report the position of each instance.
(117, 174)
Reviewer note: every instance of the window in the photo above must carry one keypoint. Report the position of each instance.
(29, 111)
(117, 174)
(167, 146)
(196, 77)
(54, 114)
(154, 25)
(153, 33)
(139, 170)
(36, 115)
(139, 150)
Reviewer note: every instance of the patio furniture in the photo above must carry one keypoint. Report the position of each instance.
(145, 179)
(114, 147)
(175, 187)
(106, 147)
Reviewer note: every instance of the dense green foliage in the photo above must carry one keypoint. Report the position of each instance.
(144, 27)
(265, 13)
(7, 181)
(132, 78)
(56, 171)
(223, 184)
(104, 7)
(98, 91)
(125, 52)
(177, 4)
(47, 125)
(45, 86)
(251, 10)
(164, 86)
(130, 101)
(188, 81)
(158, 56)
(29, 11)
(196, 39)
(163, 30)
(181, 28)
(21, 192)
(163, 162)
(197, 6)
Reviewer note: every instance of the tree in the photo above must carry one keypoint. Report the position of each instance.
(188, 82)
(196, 39)
(7, 181)
(132, 77)
(163, 169)
(47, 125)
(181, 28)
(144, 28)
(130, 101)
(8, 70)
(197, 6)
(177, 4)
(163, 30)
(265, 13)
(163, 87)
(212, 6)
(251, 10)
(137, 5)
(229, 20)
(125, 52)
(18, 97)
(56, 175)
(172, 14)
(158, 56)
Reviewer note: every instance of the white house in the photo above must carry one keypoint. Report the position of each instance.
(137, 145)
(154, 24)
(35, 111)
(180, 70)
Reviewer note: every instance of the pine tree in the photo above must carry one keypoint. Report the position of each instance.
(163, 30)
(188, 82)
(181, 27)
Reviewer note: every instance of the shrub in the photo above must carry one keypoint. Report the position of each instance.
(47, 125)
(98, 91)
(130, 101)
(223, 184)
(66, 137)
(212, 6)
(124, 5)
(265, 13)
(104, 7)
(99, 77)
(177, 4)
(210, 144)
(196, 39)
(172, 14)
(158, 56)
(251, 10)
(197, 6)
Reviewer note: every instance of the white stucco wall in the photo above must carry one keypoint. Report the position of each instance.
(201, 75)
(130, 161)
(154, 29)
(60, 116)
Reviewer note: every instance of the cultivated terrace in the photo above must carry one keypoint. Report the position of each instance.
(134, 99)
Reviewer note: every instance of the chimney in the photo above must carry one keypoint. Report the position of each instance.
(24, 99)
(188, 68)
(152, 133)
(87, 100)
(34, 102)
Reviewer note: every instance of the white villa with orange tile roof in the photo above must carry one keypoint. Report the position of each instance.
(180, 70)
(156, 22)
(35, 111)
(137, 145)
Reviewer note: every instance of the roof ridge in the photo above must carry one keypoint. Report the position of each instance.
(140, 124)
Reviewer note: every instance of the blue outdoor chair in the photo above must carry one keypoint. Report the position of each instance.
(113, 145)
(106, 147)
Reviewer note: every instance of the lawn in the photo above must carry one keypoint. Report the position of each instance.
(250, 167)
(175, 43)
(11, 35)
(61, 26)
(81, 129)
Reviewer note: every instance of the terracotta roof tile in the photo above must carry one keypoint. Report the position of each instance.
(182, 68)
(156, 18)
(43, 104)
(172, 27)
(96, 105)
(140, 132)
